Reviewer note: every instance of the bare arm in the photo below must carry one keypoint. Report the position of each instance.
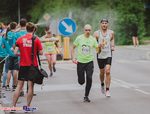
(16, 51)
(112, 41)
(14, 46)
(49, 40)
(40, 52)
(96, 36)
(17, 30)
(3, 46)
(72, 52)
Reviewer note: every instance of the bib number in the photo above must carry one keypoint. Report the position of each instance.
(50, 48)
(86, 49)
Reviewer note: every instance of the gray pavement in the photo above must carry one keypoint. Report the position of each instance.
(130, 87)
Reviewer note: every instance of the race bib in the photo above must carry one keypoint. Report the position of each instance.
(50, 48)
(86, 49)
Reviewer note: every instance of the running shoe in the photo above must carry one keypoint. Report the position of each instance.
(107, 94)
(103, 89)
(51, 74)
(7, 88)
(54, 69)
(14, 87)
(12, 111)
(21, 94)
(3, 87)
(86, 99)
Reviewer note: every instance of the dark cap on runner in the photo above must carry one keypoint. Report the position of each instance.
(104, 20)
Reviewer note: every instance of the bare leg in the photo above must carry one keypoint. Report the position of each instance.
(9, 76)
(102, 75)
(17, 92)
(15, 77)
(133, 38)
(137, 41)
(49, 62)
(53, 60)
(30, 93)
(108, 76)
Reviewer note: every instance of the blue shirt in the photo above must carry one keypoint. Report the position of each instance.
(2, 51)
(10, 37)
(19, 34)
(6, 44)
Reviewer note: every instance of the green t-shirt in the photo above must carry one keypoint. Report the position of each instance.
(50, 47)
(85, 48)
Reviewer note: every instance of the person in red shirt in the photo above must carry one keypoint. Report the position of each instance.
(24, 43)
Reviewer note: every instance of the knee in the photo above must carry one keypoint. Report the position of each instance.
(54, 62)
(107, 72)
(102, 72)
(50, 64)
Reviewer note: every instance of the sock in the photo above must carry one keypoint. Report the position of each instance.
(107, 89)
(102, 84)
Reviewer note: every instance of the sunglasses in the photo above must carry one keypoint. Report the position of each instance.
(87, 29)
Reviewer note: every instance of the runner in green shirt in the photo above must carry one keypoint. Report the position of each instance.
(50, 51)
(85, 44)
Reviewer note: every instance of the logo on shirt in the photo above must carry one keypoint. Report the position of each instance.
(27, 43)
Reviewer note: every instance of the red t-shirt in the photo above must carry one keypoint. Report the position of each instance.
(25, 46)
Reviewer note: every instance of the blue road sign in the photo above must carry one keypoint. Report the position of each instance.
(67, 26)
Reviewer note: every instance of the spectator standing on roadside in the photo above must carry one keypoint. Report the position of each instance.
(135, 35)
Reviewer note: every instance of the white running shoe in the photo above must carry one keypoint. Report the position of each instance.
(103, 89)
(107, 93)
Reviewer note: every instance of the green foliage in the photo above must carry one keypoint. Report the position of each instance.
(128, 12)
(120, 13)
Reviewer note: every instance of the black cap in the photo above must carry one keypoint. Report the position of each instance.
(104, 20)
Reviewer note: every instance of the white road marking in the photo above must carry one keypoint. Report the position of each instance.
(142, 91)
(125, 83)
(125, 86)
(114, 80)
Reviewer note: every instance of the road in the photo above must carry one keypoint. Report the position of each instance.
(61, 94)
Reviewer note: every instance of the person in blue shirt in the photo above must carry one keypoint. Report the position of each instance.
(5, 45)
(13, 60)
(20, 33)
(2, 57)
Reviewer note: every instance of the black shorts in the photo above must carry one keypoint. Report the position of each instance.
(23, 73)
(134, 34)
(103, 62)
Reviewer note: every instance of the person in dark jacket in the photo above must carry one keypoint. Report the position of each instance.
(135, 35)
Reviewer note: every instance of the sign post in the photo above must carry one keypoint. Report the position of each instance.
(67, 27)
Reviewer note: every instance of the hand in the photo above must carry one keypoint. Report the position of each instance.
(73, 60)
(12, 49)
(18, 54)
(101, 45)
(112, 48)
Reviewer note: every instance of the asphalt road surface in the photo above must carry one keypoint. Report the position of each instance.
(61, 93)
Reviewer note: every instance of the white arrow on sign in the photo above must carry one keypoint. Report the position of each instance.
(68, 28)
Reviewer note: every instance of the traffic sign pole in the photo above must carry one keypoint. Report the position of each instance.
(67, 27)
